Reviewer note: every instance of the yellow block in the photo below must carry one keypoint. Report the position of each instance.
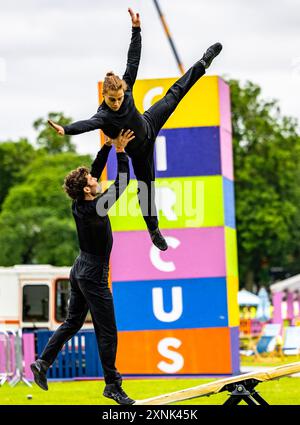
(232, 304)
(200, 106)
(232, 276)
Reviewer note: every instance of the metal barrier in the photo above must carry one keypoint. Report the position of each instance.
(19, 372)
(6, 356)
(78, 358)
(11, 358)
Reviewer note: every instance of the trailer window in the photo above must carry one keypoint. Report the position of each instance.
(62, 297)
(62, 300)
(35, 303)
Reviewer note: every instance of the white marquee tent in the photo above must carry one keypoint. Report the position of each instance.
(291, 284)
(247, 298)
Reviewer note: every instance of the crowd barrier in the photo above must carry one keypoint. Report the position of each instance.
(13, 356)
(7, 357)
(78, 358)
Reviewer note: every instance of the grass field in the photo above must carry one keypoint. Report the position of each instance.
(285, 391)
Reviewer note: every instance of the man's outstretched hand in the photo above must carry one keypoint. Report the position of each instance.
(122, 140)
(135, 18)
(60, 130)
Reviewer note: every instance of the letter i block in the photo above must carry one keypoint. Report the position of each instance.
(196, 139)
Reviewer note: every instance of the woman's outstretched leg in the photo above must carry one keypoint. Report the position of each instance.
(161, 110)
(157, 115)
(145, 175)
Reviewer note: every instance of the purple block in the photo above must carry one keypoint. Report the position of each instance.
(192, 253)
(112, 167)
(235, 350)
(193, 151)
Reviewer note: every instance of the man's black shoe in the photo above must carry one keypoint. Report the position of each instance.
(39, 369)
(116, 392)
(210, 54)
(158, 239)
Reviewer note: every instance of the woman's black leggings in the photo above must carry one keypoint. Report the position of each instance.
(143, 161)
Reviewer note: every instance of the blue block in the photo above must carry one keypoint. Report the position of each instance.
(193, 151)
(204, 304)
(229, 203)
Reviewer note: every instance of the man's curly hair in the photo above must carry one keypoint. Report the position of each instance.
(75, 181)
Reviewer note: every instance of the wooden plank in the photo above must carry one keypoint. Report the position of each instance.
(219, 385)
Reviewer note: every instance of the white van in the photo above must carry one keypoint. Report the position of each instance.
(34, 296)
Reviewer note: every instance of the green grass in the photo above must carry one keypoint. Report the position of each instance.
(284, 391)
(268, 361)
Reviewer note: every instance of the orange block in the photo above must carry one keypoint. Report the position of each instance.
(179, 351)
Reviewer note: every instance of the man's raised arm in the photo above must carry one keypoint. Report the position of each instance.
(100, 160)
(134, 52)
(112, 194)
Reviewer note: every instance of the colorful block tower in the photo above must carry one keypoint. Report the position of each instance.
(177, 310)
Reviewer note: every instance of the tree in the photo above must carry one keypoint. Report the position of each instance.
(36, 221)
(48, 139)
(14, 157)
(266, 159)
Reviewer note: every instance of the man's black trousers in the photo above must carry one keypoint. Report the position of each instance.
(143, 158)
(89, 291)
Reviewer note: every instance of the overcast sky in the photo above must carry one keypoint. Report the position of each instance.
(53, 52)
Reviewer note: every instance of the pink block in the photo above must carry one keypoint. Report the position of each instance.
(277, 300)
(225, 109)
(226, 153)
(28, 354)
(192, 253)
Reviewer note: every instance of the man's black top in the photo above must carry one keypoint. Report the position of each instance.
(127, 117)
(92, 222)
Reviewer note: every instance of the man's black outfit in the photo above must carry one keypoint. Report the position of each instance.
(89, 279)
(145, 126)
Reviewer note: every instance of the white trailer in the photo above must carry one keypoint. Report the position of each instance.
(34, 296)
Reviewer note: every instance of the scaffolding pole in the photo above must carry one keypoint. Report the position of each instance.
(168, 34)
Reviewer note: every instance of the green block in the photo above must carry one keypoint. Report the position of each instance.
(184, 202)
(231, 252)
